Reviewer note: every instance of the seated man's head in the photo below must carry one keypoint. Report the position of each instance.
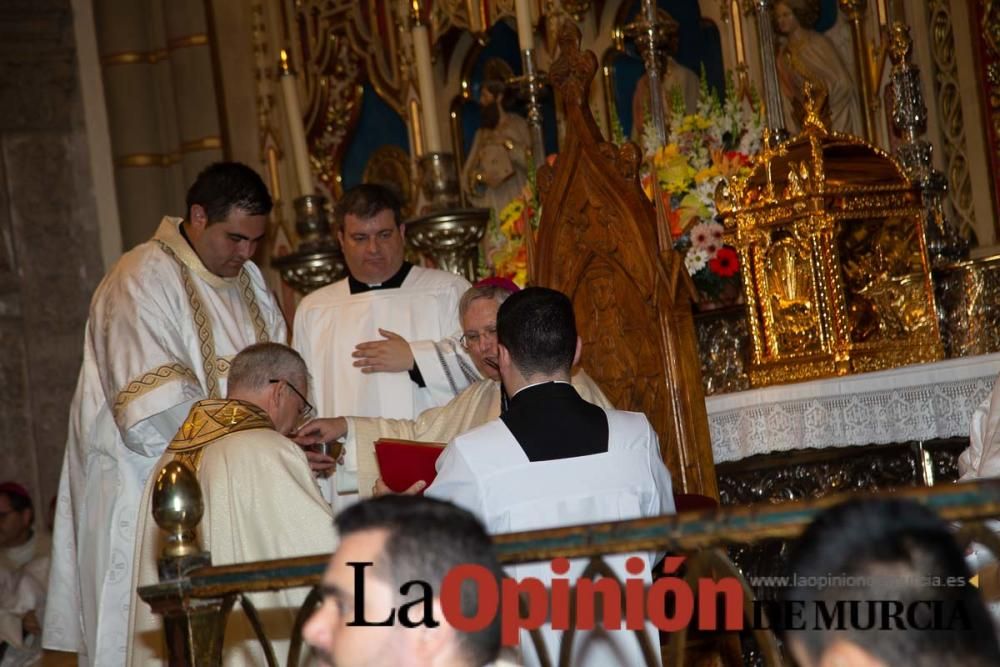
(273, 377)
(477, 311)
(537, 340)
(369, 225)
(227, 207)
(406, 539)
(16, 515)
(884, 557)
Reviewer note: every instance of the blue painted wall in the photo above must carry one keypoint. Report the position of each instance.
(378, 125)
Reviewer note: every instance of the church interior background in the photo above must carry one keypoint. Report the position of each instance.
(111, 107)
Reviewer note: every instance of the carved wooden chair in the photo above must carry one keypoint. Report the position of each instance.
(601, 242)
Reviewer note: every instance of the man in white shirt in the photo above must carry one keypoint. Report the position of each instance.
(383, 296)
(552, 459)
(164, 324)
(476, 405)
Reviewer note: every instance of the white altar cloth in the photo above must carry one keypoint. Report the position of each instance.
(920, 402)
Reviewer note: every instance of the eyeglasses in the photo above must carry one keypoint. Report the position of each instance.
(474, 338)
(307, 410)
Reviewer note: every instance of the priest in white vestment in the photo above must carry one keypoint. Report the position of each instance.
(164, 324)
(553, 459)
(24, 573)
(261, 499)
(477, 404)
(384, 297)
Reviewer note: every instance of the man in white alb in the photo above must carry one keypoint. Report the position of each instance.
(164, 324)
(552, 459)
(336, 327)
(477, 404)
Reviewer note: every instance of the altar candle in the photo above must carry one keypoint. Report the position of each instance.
(525, 34)
(882, 12)
(741, 57)
(425, 86)
(297, 131)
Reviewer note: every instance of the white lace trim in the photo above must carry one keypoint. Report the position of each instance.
(919, 402)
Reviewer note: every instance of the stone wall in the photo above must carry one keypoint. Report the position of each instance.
(49, 240)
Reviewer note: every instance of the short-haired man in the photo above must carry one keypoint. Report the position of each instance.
(386, 296)
(24, 573)
(385, 543)
(476, 405)
(261, 501)
(898, 564)
(163, 325)
(553, 459)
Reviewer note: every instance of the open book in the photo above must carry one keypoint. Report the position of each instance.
(404, 462)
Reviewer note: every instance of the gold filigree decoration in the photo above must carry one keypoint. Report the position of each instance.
(210, 420)
(147, 382)
(253, 308)
(202, 323)
(949, 106)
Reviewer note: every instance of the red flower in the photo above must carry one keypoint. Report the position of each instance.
(725, 263)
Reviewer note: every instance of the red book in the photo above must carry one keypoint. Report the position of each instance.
(402, 463)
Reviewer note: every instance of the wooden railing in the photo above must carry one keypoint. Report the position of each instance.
(195, 604)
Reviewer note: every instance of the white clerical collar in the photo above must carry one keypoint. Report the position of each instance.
(536, 384)
(22, 554)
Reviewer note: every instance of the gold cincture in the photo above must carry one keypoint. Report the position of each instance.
(833, 256)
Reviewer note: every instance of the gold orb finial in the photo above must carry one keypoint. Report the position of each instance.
(178, 508)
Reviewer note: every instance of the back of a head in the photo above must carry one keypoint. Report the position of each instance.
(427, 538)
(885, 556)
(365, 201)
(538, 328)
(256, 365)
(223, 186)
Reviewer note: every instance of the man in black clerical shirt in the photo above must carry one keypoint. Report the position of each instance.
(418, 363)
(553, 459)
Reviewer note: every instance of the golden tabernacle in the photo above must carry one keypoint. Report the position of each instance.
(830, 233)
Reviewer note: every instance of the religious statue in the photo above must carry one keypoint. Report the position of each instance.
(497, 167)
(675, 79)
(807, 55)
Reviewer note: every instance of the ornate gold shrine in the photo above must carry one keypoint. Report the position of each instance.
(831, 240)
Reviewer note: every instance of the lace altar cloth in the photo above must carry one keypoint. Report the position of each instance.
(920, 402)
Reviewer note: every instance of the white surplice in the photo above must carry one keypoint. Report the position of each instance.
(476, 405)
(261, 503)
(331, 321)
(487, 472)
(161, 333)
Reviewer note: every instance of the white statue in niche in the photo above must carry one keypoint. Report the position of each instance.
(807, 55)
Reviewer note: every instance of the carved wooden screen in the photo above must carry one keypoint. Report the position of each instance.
(599, 243)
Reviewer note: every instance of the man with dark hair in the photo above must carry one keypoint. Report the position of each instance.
(24, 572)
(163, 325)
(261, 500)
(553, 459)
(386, 296)
(387, 542)
(479, 403)
(895, 568)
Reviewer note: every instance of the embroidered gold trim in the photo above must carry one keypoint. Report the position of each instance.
(147, 383)
(211, 419)
(202, 323)
(223, 364)
(250, 300)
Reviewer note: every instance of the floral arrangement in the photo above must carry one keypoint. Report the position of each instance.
(506, 254)
(702, 149)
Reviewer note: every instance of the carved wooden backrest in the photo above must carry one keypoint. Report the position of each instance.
(599, 242)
